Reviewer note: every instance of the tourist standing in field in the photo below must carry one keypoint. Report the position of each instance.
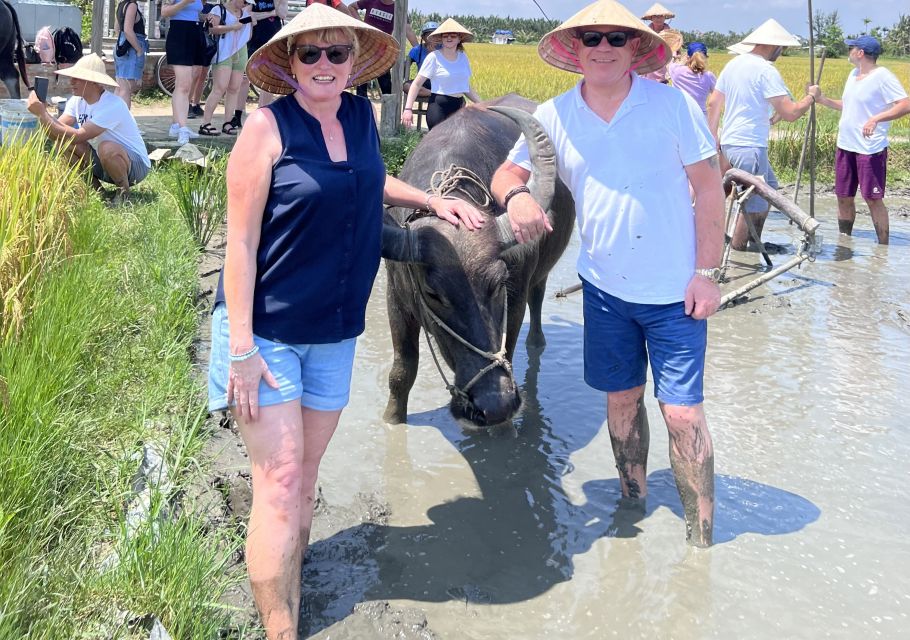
(628, 150)
(657, 16)
(449, 72)
(747, 87)
(306, 184)
(693, 77)
(234, 26)
(129, 67)
(872, 98)
(97, 128)
(416, 56)
(185, 49)
(380, 14)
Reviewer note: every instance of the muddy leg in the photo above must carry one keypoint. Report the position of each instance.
(405, 343)
(627, 421)
(692, 459)
(879, 219)
(535, 304)
(741, 235)
(846, 215)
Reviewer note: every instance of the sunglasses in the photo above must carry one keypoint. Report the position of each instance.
(614, 38)
(336, 53)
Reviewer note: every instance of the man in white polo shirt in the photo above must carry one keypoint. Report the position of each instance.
(872, 98)
(747, 88)
(628, 149)
(97, 124)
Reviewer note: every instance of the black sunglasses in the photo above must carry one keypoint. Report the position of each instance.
(614, 38)
(335, 53)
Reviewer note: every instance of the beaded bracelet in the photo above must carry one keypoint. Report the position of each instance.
(240, 357)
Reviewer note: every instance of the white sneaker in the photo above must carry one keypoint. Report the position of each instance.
(174, 131)
(189, 132)
(183, 136)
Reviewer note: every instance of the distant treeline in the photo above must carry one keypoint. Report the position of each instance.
(524, 30)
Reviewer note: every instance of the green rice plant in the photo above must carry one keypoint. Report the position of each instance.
(39, 191)
(200, 195)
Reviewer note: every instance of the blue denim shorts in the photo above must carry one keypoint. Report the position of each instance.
(752, 160)
(132, 64)
(620, 338)
(319, 375)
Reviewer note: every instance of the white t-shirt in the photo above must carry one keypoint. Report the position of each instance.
(862, 100)
(447, 78)
(230, 43)
(631, 191)
(748, 82)
(111, 114)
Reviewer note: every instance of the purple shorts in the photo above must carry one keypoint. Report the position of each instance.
(858, 170)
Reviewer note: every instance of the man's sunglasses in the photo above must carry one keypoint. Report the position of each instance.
(336, 53)
(614, 38)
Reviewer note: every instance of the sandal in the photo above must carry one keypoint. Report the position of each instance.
(229, 128)
(208, 130)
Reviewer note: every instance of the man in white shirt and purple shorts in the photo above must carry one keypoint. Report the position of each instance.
(872, 98)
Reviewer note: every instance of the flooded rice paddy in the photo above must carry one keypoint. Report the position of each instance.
(433, 532)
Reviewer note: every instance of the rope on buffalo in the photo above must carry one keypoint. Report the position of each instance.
(445, 181)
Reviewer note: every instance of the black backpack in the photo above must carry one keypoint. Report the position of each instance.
(67, 46)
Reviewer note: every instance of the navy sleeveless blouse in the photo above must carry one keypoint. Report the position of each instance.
(319, 248)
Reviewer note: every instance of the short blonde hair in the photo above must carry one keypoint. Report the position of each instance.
(697, 62)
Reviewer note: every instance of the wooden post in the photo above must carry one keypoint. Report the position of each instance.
(97, 25)
(812, 121)
(390, 118)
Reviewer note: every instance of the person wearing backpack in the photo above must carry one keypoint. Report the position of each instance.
(67, 46)
(185, 49)
(129, 53)
(233, 28)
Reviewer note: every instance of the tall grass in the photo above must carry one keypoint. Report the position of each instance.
(200, 195)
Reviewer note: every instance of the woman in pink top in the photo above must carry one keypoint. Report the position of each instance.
(693, 76)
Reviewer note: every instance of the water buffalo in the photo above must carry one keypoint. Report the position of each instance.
(11, 48)
(469, 289)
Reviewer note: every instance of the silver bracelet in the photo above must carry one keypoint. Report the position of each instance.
(426, 204)
(240, 357)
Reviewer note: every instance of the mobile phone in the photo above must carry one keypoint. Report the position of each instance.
(245, 20)
(41, 88)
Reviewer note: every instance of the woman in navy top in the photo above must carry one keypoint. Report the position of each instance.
(306, 185)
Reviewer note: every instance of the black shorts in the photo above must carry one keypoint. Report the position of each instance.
(185, 45)
(262, 33)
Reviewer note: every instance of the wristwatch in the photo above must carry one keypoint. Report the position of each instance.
(712, 274)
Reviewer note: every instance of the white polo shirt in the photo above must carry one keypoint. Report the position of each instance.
(863, 99)
(631, 191)
(748, 83)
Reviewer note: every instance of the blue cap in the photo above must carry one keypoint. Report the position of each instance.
(868, 44)
(696, 47)
(429, 26)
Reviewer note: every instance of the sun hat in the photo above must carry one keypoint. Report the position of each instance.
(739, 48)
(658, 10)
(673, 38)
(868, 44)
(269, 68)
(429, 27)
(449, 26)
(771, 32)
(91, 68)
(696, 47)
(557, 47)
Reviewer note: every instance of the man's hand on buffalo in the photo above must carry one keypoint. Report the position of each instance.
(702, 297)
(529, 222)
(456, 210)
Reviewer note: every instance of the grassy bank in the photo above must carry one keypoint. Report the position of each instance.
(98, 366)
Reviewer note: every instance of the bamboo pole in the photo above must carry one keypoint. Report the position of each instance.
(762, 279)
(810, 131)
(811, 114)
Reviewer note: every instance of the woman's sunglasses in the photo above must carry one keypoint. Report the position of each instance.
(336, 53)
(614, 38)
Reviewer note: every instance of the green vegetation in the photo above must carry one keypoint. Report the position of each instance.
(200, 195)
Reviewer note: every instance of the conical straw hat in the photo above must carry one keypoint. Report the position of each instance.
(450, 26)
(739, 48)
(673, 38)
(771, 32)
(657, 9)
(91, 68)
(558, 47)
(270, 67)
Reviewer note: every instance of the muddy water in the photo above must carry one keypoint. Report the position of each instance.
(518, 535)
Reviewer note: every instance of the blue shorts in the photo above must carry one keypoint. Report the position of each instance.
(319, 375)
(621, 336)
(752, 160)
(131, 66)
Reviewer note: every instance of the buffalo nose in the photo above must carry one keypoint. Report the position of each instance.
(495, 408)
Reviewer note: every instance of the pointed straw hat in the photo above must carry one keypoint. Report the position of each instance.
(657, 9)
(450, 26)
(739, 48)
(557, 48)
(270, 67)
(673, 38)
(91, 68)
(771, 32)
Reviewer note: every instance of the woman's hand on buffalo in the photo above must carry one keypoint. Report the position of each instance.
(243, 385)
(456, 210)
(529, 222)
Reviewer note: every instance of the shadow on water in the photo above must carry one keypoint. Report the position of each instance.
(519, 537)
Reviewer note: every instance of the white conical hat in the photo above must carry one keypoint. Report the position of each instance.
(557, 47)
(91, 68)
(270, 67)
(449, 26)
(771, 32)
(739, 48)
(657, 9)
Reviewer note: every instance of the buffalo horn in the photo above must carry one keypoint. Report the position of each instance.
(543, 166)
(400, 245)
